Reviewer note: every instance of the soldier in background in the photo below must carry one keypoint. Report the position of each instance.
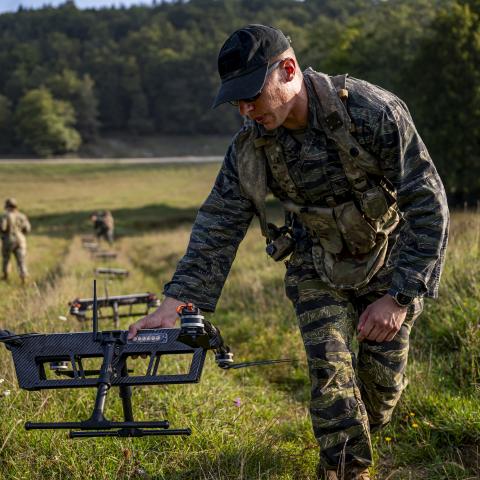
(14, 226)
(103, 225)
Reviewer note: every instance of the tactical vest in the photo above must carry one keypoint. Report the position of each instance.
(14, 228)
(350, 239)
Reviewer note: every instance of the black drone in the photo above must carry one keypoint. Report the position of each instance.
(103, 254)
(33, 355)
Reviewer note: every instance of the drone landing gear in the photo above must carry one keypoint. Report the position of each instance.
(98, 426)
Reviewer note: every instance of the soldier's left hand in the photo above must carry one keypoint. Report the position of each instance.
(381, 320)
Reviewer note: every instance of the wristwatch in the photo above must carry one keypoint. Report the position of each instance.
(402, 300)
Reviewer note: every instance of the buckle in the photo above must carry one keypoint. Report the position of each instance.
(334, 121)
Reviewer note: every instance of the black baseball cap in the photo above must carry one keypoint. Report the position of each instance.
(243, 61)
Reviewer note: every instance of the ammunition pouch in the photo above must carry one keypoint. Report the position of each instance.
(350, 271)
(349, 247)
(357, 232)
(374, 202)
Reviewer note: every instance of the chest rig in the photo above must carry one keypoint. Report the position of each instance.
(350, 238)
(12, 227)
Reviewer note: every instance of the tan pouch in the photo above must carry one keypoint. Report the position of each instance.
(348, 271)
(358, 234)
(323, 226)
(374, 203)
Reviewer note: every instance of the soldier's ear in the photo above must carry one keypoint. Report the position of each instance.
(289, 67)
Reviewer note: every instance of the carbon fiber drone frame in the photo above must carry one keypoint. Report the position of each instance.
(32, 354)
(111, 272)
(103, 254)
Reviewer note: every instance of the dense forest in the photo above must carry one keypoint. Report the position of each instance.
(67, 75)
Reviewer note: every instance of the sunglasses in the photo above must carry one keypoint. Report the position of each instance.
(270, 69)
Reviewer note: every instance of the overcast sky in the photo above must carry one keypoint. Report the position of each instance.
(12, 5)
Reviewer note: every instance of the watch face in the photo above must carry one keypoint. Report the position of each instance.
(403, 300)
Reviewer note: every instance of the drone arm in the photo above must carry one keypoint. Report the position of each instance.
(4, 334)
(9, 338)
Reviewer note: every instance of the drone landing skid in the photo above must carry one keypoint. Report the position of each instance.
(98, 426)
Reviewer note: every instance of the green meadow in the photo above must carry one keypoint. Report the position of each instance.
(246, 424)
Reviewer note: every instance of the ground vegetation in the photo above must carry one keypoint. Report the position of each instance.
(250, 424)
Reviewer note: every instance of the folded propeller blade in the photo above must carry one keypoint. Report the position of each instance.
(260, 362)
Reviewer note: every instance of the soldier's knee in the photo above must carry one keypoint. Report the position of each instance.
(380, 403)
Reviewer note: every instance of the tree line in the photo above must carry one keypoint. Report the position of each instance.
(66, 74)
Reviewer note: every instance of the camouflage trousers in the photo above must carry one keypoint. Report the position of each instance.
(353, 393)
(20, 253)
(106, 234)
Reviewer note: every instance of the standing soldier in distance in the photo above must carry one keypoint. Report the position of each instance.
(366, 217)
(103, 225)
(14, 227)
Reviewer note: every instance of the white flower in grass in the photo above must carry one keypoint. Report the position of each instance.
(6, 393)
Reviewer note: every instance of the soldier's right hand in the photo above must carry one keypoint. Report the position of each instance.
(164, 316)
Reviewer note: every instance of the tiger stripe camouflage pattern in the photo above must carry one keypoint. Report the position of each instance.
(347, 400)
(352, 393)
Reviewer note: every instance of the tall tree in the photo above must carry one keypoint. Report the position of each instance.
(68, 86)
(6, 126)
(45, 124)
(446, 98)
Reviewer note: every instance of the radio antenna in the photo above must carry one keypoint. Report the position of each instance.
(95, 315)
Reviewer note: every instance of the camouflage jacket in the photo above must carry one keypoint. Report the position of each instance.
(14, 226)
(384, 127)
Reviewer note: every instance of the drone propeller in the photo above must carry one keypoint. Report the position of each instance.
(255, 363)
(196, 331)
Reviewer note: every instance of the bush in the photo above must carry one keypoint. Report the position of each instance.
(44, 124)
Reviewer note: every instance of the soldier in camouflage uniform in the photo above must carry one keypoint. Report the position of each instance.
(13, 227)
(103, 225)
(367, 215)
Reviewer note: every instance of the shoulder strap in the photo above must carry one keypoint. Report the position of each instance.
(337, 124)
(340, 84)
(278, 166)
(252, 173)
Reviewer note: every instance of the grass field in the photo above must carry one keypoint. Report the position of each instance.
(247, 424)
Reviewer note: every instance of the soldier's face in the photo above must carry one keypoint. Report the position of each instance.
(272, 107)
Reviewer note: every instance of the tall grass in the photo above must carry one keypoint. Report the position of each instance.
(247, 424)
